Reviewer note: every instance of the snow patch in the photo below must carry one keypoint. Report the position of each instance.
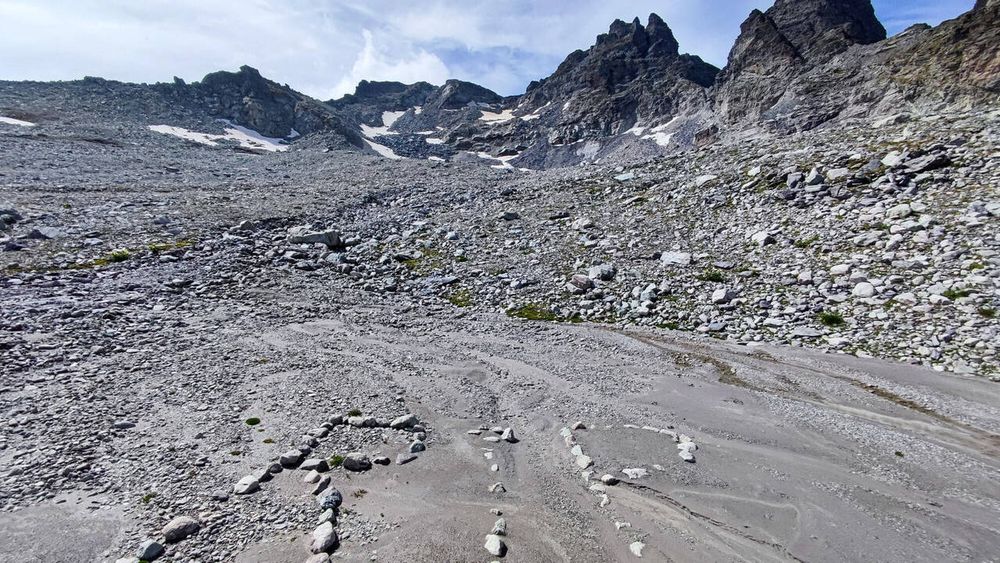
(656, 134)
(383, 150)
(503, 160)
(435, 158)
(390, 117)
(662, 139)
(372, 132)
(503, 116)
(434, 141)
(247, 138)
(12, 121)
(417, 110)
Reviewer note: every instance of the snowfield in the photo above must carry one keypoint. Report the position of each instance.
(12, 121)
(247, 138)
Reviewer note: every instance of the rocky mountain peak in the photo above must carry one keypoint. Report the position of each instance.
(455, 94)
(820, 29)
(653, 39)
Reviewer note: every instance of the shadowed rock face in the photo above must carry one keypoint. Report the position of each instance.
(260, 104)
(820, 29)
(389, 96)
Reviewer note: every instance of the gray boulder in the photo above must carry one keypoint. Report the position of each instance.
(180, 528)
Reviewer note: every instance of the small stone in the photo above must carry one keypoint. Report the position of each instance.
(403, 459)
(495, 546)
(686, 451)
(763, 238)
(330, 499)
(500, 527)
(291, 458)
(635, 472)
(315, 464)
(381, 460)
(357, 461)
(899, 211)
(722, 296)
(149, 550)
(578, 426)
(609, 479)
(362, 421)
(508, 435)
(246, 485)
(497, 488)
(584, 461)
(327, 516)
(322, 485)
(636, 548)
(863, 290)
(602, 272)
(675, 259)
(405, 421)
(180, 528)
(324, 538)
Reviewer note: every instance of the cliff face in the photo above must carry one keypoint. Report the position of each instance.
(778, 46)
(957, 61)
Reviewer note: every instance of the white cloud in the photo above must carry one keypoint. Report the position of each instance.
(323, 47)
(373, 63)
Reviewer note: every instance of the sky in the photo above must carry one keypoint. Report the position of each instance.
(324, 47)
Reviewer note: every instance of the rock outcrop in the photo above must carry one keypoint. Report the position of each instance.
(778, 46)
(249, 99)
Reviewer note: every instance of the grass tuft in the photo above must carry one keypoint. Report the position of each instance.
(954, 294)
(460, 298)
(533, 312)
(830, 318)
(713, 276)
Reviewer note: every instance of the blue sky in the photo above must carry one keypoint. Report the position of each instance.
(324, 47)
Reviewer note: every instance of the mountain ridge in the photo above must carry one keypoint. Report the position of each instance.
(793, 67)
